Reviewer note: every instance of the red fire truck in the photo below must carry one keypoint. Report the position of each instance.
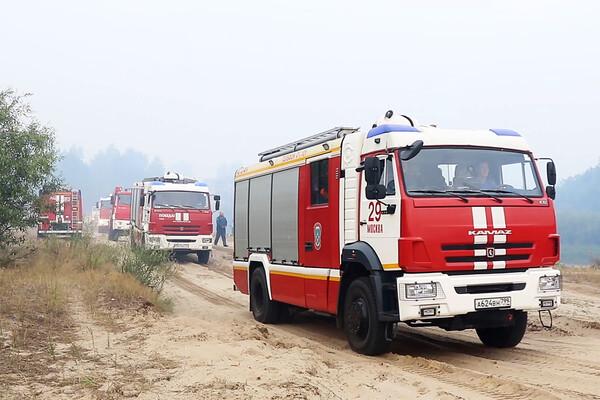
(119, 222)
(62, 214)
(104, 208)
(173, 213)
(399, 223)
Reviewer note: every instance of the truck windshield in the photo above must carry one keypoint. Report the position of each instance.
(124, 199)
(194, 200)
(471, 172)
(105, 204)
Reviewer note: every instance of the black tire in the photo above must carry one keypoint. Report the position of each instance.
(111, 235)
(507, 336)
(365, 333)
(264, 309)
(203, 256)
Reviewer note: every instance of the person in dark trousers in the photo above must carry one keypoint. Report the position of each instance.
(221, 229)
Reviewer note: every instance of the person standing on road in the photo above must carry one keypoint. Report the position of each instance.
(221, 229)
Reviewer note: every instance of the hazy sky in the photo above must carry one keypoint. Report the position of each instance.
(207, 84)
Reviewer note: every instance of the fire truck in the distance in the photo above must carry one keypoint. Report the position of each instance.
(173, 213)
(62, 214)
(119, 222)
(400, 223)
(104, 208)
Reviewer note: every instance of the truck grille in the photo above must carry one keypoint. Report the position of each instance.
(465, 253)
(490, 288)
(181, 229)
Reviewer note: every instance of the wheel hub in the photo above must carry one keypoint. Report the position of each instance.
(357, 315)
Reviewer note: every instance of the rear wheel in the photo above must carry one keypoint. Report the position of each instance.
(365, 333)
(112, 235)
(263, 308)
(506, 336)
(203, 256)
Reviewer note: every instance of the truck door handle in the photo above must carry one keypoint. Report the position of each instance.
(308, 246)
(363, 222)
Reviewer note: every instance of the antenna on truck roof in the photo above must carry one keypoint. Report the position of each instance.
(313, 140)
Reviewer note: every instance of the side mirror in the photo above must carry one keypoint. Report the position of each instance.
(217, 202)
(551, 192)
(411, 151)
(98, 205)
(372, 171)
(375, 192)
(551, 173)
(142, 202)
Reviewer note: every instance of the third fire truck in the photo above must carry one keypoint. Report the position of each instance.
(173, 213)
(119, 222)
(104, 208)
(400, 223)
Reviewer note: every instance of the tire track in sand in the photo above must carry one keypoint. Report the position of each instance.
(491, 386)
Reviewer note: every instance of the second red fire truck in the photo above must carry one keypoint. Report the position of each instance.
(399, 223)
(173, 213)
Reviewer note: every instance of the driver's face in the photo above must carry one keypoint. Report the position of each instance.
(484, 169)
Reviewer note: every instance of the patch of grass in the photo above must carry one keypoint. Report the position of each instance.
(150, 267)
(37, 295)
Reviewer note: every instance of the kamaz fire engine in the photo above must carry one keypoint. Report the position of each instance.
(104, 208)
(119, 222)
(173, 213)
(62, 214)
(399, 223)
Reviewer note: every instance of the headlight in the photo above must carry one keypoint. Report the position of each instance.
(206, 240)
(420, 290)
(549, 283)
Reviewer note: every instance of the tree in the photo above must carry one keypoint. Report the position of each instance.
(28, 158)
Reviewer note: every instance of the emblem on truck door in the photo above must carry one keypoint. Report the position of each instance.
(317, 232)
(491, 252)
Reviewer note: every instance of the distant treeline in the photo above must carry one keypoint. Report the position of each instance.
(108, 168)
(578, 203)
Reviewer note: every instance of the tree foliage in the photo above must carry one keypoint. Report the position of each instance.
(28, 157)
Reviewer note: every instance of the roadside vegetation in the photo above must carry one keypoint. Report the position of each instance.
(589, 275)
(45, 293)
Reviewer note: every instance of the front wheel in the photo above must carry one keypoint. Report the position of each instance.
(203, 256)
(506, 336)
(365, 333)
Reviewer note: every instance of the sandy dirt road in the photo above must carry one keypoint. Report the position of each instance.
(221, 352)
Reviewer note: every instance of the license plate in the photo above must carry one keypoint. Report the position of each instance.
(181, 246)
(494, 302)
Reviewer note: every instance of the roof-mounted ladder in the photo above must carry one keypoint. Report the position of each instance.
(313, 140)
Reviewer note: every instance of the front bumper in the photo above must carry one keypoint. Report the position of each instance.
(449, 302)
(103, 222)
(179, 243)
(121, 225)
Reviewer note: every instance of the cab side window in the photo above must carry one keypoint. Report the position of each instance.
(319, 182)
(387, 178)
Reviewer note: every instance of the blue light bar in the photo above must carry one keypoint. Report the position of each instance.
(201, 184)
(505, 132)
(381, 129)
(157, 183)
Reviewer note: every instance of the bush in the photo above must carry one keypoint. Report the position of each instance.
(150, 267)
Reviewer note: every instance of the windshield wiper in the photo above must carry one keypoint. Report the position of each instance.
(509, 192)
(431, 191)
(498, 199)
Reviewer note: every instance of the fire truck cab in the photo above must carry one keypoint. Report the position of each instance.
(173, 213)
(119, 223)
(399, 223)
